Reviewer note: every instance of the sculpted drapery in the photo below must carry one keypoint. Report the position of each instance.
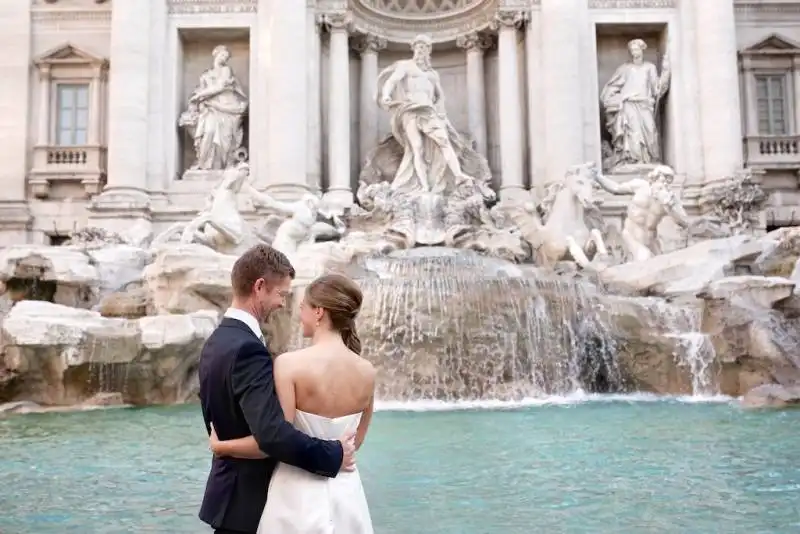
(630, 100)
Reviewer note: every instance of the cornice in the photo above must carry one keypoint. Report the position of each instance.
(632, 4)
(767, 9)
(56, 17)
(196, 7)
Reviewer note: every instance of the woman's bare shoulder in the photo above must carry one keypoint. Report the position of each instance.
(289, 360)
(365, 366)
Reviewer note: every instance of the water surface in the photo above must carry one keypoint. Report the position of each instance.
(596, 467)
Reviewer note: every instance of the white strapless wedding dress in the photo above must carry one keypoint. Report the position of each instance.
(301, 503)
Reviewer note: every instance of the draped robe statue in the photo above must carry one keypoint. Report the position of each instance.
(630, 100)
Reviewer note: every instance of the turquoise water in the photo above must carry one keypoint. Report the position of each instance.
(598, 467)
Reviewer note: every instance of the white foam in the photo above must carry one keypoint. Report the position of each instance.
(579, 397)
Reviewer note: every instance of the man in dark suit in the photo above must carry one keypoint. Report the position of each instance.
(237, 394)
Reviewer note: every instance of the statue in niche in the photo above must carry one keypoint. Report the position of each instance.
(630, 101)
(652, 201)
(214, 116)
(410, 90)
(424, 183)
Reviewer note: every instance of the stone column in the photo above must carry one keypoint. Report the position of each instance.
(533, 70)
(125, 197)
(719, 82)
(475, 44)
(510, 99)
(15, 41)
(368, 46)
(563, 96)
(282, 29)
(96, 107)
(314, 154)
(43, 135)
(794, 95)
(339, 193)
(750, 98)
(686, 76)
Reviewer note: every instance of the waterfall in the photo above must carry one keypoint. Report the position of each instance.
(453, 325)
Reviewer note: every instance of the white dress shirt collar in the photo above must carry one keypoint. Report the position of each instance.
(246, 318)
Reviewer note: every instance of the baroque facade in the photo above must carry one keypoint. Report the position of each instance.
(96, 95)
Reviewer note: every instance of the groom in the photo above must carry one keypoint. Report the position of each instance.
(237, 394)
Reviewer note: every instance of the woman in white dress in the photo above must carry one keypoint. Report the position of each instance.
(326, 390)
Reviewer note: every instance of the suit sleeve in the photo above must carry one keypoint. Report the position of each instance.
(254, 389)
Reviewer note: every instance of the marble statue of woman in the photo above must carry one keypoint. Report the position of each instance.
(630, 101)
(410, 90)
(214, 115)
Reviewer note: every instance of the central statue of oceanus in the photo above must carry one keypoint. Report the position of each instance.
(424, 183)
(410, 90)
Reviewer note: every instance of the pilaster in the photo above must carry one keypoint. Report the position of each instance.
(283, 133)
(562, 90)
(508, 22)
(369, 47)
(15, 41)
(719, 88)
(475, 44)
(339, 193)
(125, 198)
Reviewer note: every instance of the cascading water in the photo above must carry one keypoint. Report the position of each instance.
(695, 350)
(452, 325)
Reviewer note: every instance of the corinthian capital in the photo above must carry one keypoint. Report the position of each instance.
(369, 43)
(509, 18)
(337, 21)
(474, 41)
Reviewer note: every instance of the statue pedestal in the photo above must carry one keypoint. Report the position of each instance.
(629, 171)
(203, 176)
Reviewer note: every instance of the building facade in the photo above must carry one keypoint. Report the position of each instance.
(92, 92)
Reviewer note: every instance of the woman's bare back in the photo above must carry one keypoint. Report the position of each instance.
(330, 380)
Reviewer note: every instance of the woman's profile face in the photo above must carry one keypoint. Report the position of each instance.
(309, 317)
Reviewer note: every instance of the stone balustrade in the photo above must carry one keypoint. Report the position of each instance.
(83, 164)
(773, 152)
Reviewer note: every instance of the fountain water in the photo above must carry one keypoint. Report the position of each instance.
(451, 324)
(694, 350)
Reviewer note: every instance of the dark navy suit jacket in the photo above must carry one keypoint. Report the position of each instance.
(237, 394)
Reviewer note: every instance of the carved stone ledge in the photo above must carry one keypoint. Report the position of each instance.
(631, 4)
(474, 41)
(72, 18)
(191, 7)
(765, 11)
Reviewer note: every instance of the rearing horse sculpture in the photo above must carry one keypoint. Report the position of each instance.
(565, 234)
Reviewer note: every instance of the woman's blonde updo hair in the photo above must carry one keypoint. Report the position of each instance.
(341, 298)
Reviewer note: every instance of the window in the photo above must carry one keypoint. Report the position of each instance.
(72, 103)
(771, 101)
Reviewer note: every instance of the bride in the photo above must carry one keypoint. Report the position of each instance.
(325, 390)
